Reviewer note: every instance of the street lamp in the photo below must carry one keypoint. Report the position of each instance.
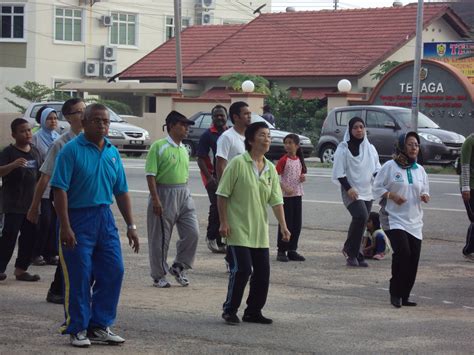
(344, 85)
(248, 86)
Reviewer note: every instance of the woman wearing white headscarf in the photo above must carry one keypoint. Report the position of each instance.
(356, 162)
(45, 250)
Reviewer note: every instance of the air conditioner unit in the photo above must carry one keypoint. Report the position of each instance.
(109, 53)
(109, 69)
(106, 21)
(207, 4)
(207, 18)
(91, 68)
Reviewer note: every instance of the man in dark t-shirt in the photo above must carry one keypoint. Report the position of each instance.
(19, 169)
(206, 153)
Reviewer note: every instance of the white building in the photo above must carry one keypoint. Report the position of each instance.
(58, 41)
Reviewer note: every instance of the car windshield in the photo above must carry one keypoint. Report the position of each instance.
(255, 118)
(114, 117)
(423, 120)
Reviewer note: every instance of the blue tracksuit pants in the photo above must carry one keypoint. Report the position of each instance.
(97, 254)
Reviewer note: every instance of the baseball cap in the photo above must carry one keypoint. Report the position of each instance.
(175, 117)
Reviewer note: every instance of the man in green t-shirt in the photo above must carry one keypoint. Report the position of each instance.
(170, 203)
(467, 191)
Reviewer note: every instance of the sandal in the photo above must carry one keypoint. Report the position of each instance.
(26, 276)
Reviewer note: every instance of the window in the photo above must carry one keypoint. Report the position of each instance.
(343, 117)
(206, 121)
(68, 25)
(12, 22)
(377, 119)
(61, 94)
(124, 29)
(169, 25)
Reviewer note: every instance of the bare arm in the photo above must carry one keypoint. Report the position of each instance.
(66, 234)
(157, 208)
(280, 216)
(40, 188)
(125, 206)
(224, 228)
(7, 169)
(221, 164)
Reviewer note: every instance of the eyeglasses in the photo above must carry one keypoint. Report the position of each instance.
(99, 121)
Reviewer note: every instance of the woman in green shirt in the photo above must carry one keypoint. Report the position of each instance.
(249, 184)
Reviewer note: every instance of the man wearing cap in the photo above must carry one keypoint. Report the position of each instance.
(170, 203)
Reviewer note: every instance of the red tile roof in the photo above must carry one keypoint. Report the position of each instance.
(299, 44)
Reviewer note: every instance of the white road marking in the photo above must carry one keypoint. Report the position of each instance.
(467, 307)
(448, 302)
(426, 298)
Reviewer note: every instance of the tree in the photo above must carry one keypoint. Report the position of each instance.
(235, 81)
(384, 68)
(30, 91)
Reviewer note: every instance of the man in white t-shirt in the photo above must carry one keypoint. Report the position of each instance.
(231, 142)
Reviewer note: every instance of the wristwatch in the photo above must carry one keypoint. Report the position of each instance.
(132, 227)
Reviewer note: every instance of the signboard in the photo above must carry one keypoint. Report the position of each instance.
(458, 54)
(446, 96)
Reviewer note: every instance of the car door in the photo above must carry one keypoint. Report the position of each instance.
(381, 131)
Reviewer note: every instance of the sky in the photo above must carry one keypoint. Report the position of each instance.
(301, 5)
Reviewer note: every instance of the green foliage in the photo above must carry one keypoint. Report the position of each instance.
(295, 114)
(30, 91)
(384, 68)
(116, 106)
(235, 81)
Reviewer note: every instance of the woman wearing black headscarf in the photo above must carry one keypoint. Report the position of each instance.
(356, 162)
(402, 185)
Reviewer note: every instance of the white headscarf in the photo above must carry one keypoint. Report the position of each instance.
(358, 170)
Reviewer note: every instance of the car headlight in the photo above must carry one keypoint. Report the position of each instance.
(277, 140)
(147, 135)
(306, 141)
(430, 138)
(115, 134)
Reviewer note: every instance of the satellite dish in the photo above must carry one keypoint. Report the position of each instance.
(257, 11)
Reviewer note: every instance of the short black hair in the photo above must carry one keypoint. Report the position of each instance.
(17, 122)
(375, 218)
(267, 108)
(251, 131)
(38, 114)
(94, 107)
(235, 109)
(66, 109)
(218, 107)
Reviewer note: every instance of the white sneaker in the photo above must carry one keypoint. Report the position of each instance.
(80, 339)
(104, 335)
(469, 257)
(162, 283)
(179, 275)
(212, 245)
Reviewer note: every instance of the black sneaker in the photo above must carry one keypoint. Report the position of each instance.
(281, 256)
(256, 318)
(294, 256)
(230, 319)
(54, 298)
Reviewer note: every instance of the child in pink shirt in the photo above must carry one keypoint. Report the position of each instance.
(292, 169)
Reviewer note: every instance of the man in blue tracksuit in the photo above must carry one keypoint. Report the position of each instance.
(88, 173)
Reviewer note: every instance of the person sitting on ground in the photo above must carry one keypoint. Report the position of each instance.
(375, 244)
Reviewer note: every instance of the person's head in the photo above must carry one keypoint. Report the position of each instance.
(373, 223)
(409, 144)
(177, 125)
(257, 137)
(292, 147)
(73, 111)
(240, 114)
(21, 131)
(267, 108)
(219, 116)
(49, 119)
(96, 122)
(38, 114)
(356, 128)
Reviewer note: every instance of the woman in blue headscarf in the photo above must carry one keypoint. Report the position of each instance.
(45, 250)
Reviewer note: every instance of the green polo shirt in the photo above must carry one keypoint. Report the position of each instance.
(168, 162)
(248, 198)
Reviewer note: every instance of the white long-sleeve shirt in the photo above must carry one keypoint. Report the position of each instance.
(409, 183)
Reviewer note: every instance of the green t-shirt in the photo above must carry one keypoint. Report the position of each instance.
(167, 162)
(467, 163)
(248, 199)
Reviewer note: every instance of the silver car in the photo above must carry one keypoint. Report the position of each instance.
(129, 139)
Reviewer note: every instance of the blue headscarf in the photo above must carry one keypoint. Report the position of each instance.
(45, 136)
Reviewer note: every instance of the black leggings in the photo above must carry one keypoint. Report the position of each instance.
(469, 247)
(293, 216)
(359, 211)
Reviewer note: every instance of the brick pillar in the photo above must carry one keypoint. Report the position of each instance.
(338, 99)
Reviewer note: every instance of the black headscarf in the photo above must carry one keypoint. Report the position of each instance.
(354, 143)
(401, 157)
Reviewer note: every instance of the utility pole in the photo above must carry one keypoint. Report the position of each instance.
(335, 4)
(415, 99)
(177, 37)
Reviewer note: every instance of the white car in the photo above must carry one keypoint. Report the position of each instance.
(129, 139)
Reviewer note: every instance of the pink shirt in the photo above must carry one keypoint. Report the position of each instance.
(290, 170)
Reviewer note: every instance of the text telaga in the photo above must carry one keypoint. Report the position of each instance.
(432, 88)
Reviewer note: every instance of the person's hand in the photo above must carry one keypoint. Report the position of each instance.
(133, 240)
(212, 183)
(32, 215)
(466, 196)
(224, 230)
(285, 234)
(399, 200)
(353, 194)
(157, 209)
(302, 178)
(425, 198)
(20, 163)
(288, 191)
(67, 237)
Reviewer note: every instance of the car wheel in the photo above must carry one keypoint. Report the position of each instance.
(327, 153)
(189, 147)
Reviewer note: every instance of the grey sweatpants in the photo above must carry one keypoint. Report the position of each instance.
(179, 210)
